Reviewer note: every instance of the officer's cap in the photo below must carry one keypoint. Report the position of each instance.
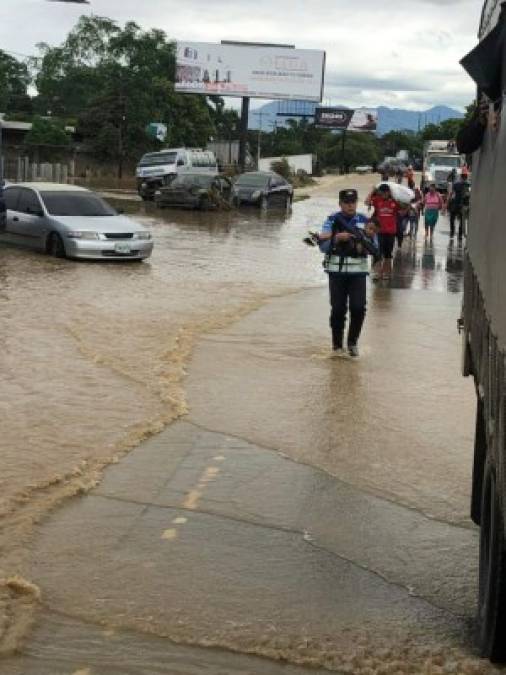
(348, 196)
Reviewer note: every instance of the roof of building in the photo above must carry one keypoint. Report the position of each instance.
(24, 126)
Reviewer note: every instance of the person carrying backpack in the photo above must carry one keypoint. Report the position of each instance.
(458, 200)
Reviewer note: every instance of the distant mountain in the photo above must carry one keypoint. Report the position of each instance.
(276, 113)
(396, 119)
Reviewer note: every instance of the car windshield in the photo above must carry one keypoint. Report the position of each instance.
(157, 158)
(445, 160)
(252, 180)
(76, 203)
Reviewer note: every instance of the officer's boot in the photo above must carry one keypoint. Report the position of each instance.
(337, 339)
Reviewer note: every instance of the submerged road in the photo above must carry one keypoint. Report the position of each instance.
(306, 515)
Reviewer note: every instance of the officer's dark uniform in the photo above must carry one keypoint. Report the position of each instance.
(347, 266)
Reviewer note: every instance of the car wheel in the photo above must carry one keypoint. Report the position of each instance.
(492, 580)
(55, 246)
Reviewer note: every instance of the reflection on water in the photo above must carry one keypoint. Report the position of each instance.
(429, 265)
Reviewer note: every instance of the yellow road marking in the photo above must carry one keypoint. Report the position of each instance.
(170, 534)
(192, 499)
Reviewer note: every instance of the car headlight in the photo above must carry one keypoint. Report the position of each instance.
(142, 235)
(256, 194)
(83, 234)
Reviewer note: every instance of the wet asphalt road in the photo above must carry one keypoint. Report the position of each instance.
(265, 525)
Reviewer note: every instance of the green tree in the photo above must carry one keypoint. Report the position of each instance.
(393, 141)
(116, 81)
(47, 132)
(14, 81)
(359, 149)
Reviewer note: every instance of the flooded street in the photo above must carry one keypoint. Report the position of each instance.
(294, 512)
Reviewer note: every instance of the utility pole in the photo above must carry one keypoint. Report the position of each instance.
(243, 137)
(260, 114)
(343, 148)
(122, 120)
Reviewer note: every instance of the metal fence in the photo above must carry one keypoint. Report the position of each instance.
(22, 169)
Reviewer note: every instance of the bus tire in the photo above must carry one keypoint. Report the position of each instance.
(492, 577)
(480, 454)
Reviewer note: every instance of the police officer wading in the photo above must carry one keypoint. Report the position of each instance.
(347, 239)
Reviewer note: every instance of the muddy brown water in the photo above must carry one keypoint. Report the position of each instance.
(94, 360)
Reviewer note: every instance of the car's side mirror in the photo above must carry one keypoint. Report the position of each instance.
(180, 162)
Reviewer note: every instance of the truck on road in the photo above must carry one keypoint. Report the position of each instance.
(156, 169)
(439, 158)
(484, 334)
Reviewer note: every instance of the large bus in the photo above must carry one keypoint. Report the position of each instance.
(484, 324)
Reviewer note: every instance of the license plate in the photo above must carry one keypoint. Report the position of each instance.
(122, 248)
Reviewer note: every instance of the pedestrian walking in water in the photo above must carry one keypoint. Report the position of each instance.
(458, 199)
(402, 223)
(347, 239)
(385, 214)
(433, 205)
(414, 212)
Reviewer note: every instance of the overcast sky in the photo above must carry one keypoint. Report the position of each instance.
(379, 52)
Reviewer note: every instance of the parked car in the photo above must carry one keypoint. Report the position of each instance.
(363, 169)
(196, 191)
(65, 220)
(263, 189)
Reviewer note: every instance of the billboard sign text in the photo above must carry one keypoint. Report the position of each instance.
(254, 71)
(346, 119)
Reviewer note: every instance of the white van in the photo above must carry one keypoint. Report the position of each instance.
(159, 168)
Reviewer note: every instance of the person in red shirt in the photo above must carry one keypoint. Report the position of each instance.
(385, 214)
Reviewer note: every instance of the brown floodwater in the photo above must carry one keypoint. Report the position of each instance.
(94, 360)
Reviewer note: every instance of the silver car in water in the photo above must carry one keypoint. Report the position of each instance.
(70, 221)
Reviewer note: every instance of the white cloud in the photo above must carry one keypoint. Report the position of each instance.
(378, 53)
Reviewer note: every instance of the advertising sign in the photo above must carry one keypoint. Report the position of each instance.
(254, 71)
(346, 120)
(157, 130)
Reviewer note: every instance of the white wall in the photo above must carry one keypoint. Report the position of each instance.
(296, 162)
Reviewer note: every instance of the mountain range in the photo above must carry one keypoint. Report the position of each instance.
(276, 113)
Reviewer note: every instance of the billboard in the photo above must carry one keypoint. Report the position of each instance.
(248, 70)
(346, 120)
